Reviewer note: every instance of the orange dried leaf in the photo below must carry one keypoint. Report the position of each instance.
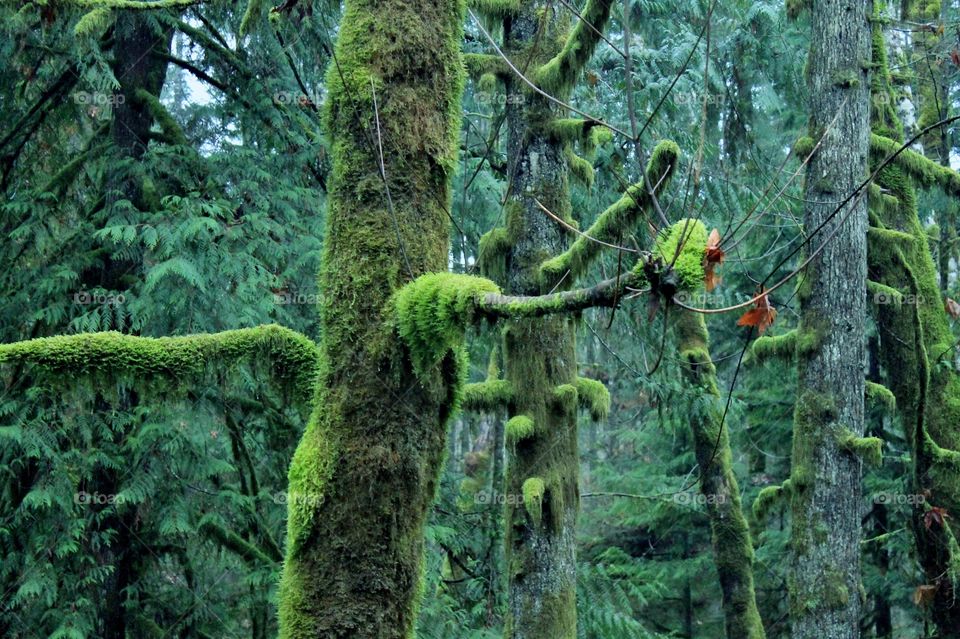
(952, 308)
(760, 316)
(712, 257)
(935, 515)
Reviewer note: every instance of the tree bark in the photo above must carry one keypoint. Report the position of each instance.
(824, 582)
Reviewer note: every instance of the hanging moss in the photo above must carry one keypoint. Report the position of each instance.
(594, 397)
(520, 427)
(580, 168)
(93, 23)
(496, 9)
(878, 394)
(434, 311)
(769, 498)
(479, 65)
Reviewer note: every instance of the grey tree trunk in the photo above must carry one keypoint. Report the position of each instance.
(824, 583)
(539, 357)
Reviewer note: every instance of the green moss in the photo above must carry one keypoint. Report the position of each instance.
(883, 294)
(880, 395)
(483, 64)
(595, 397)
(496, 9)
(533, 491)
(433, 313)
(489, 396)
(803, 147)
(520, 427)
(683, 245)
(768, 347)
(870, 449)
(924, 171)
(769, 498)
(177, 360)
(171, 130)
(93, 23)
(494, 251)
(580, 169)
(565, 398)
(559, 75)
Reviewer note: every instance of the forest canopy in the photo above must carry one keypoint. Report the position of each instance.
(530, 319)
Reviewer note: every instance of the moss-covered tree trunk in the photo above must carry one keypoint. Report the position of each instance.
(365, 472)
(917, 346)
(825, 480)
(732, 546)
(540, 358)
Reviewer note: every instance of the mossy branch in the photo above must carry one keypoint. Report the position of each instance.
(870, 449)
(520, 427)
(172, 132)
(487, 397)
(135, 4)
(607, 294)
(767, 347)
(617, 220)
(233, 542)
(558, 75)
(294, 357)
(922, 169)
(481, 64)
(769, 498)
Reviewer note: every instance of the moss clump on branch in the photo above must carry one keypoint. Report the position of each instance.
(683, 246)
(768, 499)
(880, 395)
(433, 313)
(520, 427)
(93, 23)
(171, 130)
(619, 219)
(479, 65)
(870, 449)
(768, 347)
(580, 168)
(488, 396)
(594, 397)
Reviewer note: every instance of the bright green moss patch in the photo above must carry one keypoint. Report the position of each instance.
(482, 64)
(488, 396)
(565, 398)
(580, 169)
(496, 9)
(879, 394)
(520, 427)
(924, 171)
(769, 498)
(594, 397)
(533, 491)
(433, 313)
(768, 347)
(803, 147)
(683, 245)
